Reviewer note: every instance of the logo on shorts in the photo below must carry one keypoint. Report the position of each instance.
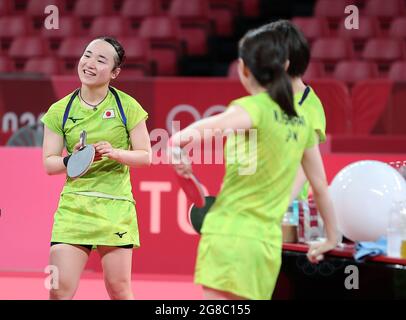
(120, 234)
(108, 114)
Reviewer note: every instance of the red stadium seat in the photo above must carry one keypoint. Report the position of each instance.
(354, 71)
(231, 5)
(163, 35)
(398, 28)
(223, 21)
(5, 7)
(360, 3)
(13, 27)
(6, 65)
(68, 27)
(47, 66)
(110, 26)
(73, 47)
(28, 47)
(332, 10)
(336, 101)
(19, 6)
(136, 11)
(195, 24)
(35, 9)
(70, 51)
(136, 52)
(383, 51)
(88, 10)
(312, 28)
(250, 8)
(397, 71)
(385, 10)
(314, 71)
(369, 102)
(330, 51)
(25, 48)
(232, 72)
(369, 27)
(222, 14)
(165, 4)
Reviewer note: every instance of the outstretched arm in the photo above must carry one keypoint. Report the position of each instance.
(233, 118)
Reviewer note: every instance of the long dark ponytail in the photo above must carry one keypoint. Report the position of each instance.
(265, 53)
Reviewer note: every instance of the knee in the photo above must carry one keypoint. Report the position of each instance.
(119, 289)
(62, 292)
(63, 289)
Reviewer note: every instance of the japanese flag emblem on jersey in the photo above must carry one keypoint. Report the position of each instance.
(108, 114)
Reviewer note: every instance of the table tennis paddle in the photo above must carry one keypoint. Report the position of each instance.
(80, 161)
(190, 185)
(197, 215)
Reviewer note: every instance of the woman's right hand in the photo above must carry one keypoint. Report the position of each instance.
(183, 169)
(179, 161)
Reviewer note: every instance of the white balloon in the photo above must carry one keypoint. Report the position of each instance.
(363, 194)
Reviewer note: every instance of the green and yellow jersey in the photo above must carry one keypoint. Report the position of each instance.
(310, 104)
(105, 178)
(260, 170)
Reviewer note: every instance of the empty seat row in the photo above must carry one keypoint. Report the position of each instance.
(220, 13)
(368, 27)
(353, 71)
(195, 32)
(384, 10)
(36, 7)
(154, 57)
(380, 50)
(349, 71)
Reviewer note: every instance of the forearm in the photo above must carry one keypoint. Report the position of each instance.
(326, 209)
(233, 119)
(300, 180)
(134, 158)
(195, 132)
(54, 165)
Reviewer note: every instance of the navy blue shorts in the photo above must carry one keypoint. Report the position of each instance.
(89, 246)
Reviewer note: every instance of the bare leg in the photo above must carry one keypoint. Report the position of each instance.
(116, 264)
(213, 294)
(70, 261)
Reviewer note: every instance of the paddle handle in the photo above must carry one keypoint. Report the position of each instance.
(83, 137)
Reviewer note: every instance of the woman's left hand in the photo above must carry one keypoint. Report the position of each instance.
(104, 149)
(316, 251)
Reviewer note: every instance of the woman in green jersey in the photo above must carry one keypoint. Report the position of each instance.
(309, 102)
(96, 210)
(239, 254)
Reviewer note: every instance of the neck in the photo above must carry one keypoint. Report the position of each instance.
(93, 95)
(257, 90)
(298, 85)
(254, 87)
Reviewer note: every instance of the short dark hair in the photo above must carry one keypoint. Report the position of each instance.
(119, 59)
(299, 52)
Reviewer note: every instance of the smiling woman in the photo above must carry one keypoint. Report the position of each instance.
(96, 210)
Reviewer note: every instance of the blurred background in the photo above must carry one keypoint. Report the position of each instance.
(181, 65)
(357, 73)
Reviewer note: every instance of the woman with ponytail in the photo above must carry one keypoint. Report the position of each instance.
(239, 254)
(299, 57)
